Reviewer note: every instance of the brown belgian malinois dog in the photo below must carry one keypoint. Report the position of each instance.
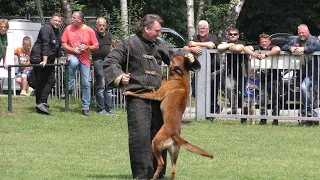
(173, 95)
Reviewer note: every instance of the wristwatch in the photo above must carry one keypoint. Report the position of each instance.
(265, 55)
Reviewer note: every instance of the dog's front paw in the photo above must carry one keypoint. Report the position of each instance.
(128, 93)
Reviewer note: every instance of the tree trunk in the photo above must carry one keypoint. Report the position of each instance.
(230, 20)
(66, 11)
(190, 18)
(200, 11)
(40, 12)
(124, 15)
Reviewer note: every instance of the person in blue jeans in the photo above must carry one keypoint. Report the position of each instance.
(306, 44)
(79, 40)
(103, 93)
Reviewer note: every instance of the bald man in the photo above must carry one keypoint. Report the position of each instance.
(306, 43)
(103, 94)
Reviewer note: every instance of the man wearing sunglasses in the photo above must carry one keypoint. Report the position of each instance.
(232, 78)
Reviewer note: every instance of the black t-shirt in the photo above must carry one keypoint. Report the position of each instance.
(266, 74)
(235, 61)
(215, 63)
(104, 46)
(258, 47)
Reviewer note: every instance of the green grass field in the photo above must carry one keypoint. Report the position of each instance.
(68, 145)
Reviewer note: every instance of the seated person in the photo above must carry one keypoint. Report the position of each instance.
(234, 69)
(23, 55)
(264, 77)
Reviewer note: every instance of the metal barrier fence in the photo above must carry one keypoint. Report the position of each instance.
(241, 87)
(118, 100)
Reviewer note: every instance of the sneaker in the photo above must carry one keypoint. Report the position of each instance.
(23, 93)
(29, 91)
(104, 112)
(111, 113)
(41, 108)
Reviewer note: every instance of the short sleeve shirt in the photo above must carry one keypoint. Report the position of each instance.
(23, 57)
(74, 36)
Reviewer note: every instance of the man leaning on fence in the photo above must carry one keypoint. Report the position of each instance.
(305, 44)
(264, 76)
(204, 39)
(103, 94)
(45, 51)
(79, 40)
(232, 79)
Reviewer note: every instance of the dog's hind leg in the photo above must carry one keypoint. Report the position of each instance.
(157, 153)
(174, 153)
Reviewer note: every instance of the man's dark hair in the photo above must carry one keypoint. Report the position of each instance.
(147, 21)
(81, 15)
(57, 14)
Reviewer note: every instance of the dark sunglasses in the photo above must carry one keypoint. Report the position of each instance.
(233, 34)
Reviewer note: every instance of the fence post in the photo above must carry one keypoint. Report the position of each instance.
(201, 79)
(9, 89)
(66, 87)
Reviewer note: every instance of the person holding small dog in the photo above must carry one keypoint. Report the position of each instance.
(265, 77)
(141, 72)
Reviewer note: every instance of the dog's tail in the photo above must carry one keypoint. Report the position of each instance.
(191, 147)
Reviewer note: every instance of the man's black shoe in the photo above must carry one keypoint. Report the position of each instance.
(243, 120)
(41, 108)
(275, 122)
(263, 122)
(85, 112)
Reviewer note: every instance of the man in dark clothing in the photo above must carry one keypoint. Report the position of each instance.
(207, 40)
(264, 77)
(306, 44)
(141, 73)
(44, 51)
(232, 78)
(103, 93)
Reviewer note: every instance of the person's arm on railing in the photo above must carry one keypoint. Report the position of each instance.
(4, 58)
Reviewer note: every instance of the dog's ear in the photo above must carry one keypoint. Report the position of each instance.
(178, 70)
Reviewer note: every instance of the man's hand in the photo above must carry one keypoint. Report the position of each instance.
(43, 63)
(297, 49)
(196, 50)
(125, 78)
(5, 65)
(190, 57)
(77, 50)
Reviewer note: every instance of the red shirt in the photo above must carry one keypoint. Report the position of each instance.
(75, 36)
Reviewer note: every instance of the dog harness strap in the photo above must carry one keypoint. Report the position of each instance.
(154, 73)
